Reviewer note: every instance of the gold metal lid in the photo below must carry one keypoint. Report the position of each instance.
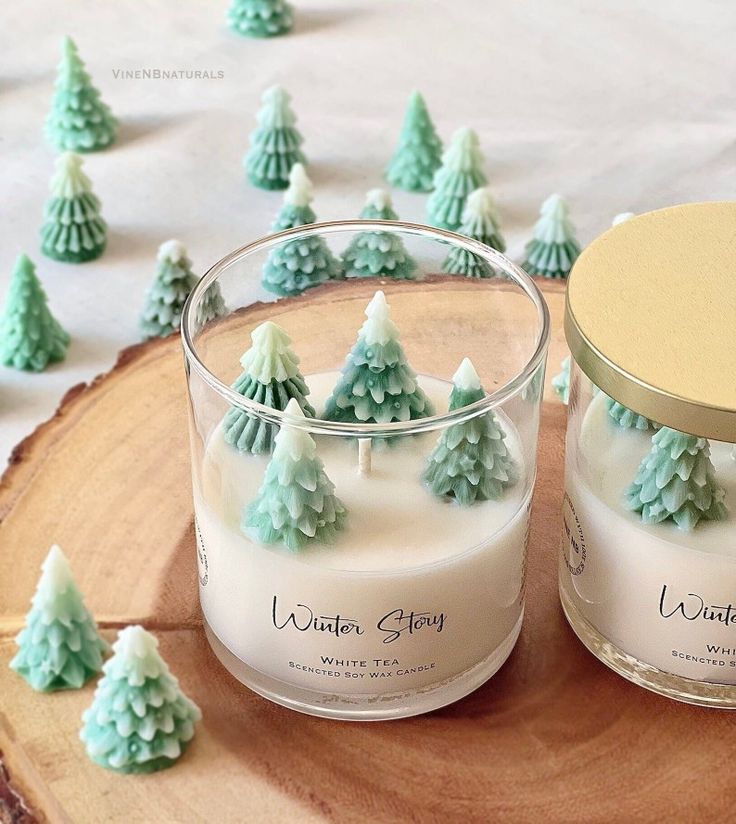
(650, 316)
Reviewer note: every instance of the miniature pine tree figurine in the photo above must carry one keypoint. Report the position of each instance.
(212, 305)
(296, 504)
(166, 297)
(460, 174)
(676, 481)
(626, 418)
(622, 217)
(419, 153)
(60, 647)
(260, 18)
(480, 222)
(299, 264)
(30, 337)
(270, 376)
(73, 229)
(554, 247)
(471, 461)
(275, 144)
(79, 121)
(377, 384)
(140, 721)
(377, 253)
(561, 382)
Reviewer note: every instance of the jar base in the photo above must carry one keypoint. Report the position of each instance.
(700, 693)
(364, 707)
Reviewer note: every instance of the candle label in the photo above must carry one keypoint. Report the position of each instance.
(663, 603)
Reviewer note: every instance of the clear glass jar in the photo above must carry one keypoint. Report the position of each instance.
(647, 566)
(418, 599)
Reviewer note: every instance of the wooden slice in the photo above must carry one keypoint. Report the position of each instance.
(554, 736)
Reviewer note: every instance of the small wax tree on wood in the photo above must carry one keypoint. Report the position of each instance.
(78, 121)
(554, 247)
(676, 481)
(378, 253)
(481, 222)
(169, 291)
(471, 461)
(140, 721)
(561, 382)
(73, 229)
(212, 305)
(377, 384)
(275, 144)
(419, 153)
(460, 174)
(270, 376)
(30, 337)
(260, 18)
(297, 265)
(626, 418)
(60, 646)
(296, 504)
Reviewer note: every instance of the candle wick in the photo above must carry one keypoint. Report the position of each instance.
(364, 456)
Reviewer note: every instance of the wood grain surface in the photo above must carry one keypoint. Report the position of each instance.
(553, 737)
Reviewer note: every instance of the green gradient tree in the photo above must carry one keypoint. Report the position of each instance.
(554, 247)
(60, 646)
(270, 376)
(275, 144)
(676, 481)
(73, 229)
(79, 121)
(260, 18)
(30, 336)
(377, 385)
(140, 720)
(419, 152)
(378, 253)
(471, 461)
(296, 505)
(561, 382)
(626, 418)
(168, 293)
(481, 222)
(460, 174)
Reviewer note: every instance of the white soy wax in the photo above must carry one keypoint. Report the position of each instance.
(416, 591)
(663, 595)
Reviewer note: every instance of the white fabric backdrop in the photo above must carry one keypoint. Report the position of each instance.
(618, 104)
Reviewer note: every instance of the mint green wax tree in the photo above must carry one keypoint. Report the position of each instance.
(139, 721)
(79, 121)
(480, 222)
(561, 382)
(378, 253)
(460, 174)
(212, 305)
(30, 336)
(554, 247)
(297, 265)
(275, 144)
(167, 295)
(419, 153)
(377, 385)
(60, 646)
(296, 505)
(626, 418)
(260, 18)
(676, 481)
(73, 229)
(471, 461)
(270, 376)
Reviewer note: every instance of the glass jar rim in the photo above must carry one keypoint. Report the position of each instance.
(318, 426)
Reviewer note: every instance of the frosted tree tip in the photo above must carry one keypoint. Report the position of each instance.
(622, 218)
(465, 136)
(378, 199)
(378, 306)
(135, 642)
(275, 94)
(480, 202)
(300, 191)
(68, 46)
(466, 378)
(171, 250)
(554, 204)
(57, 574)
(68, 162)
(293, 409)
(24, 264)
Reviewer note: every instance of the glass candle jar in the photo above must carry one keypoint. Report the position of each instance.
(362, 551)
(648, 560)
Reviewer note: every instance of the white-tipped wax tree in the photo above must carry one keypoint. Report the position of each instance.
(481, 222)
(378, 253)
(460, 174)
(377, 385)
(271, 377)
(554, 247)
(168, 293)
(296, 505)
(419, 153)
(260, 18)
(60, 646)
